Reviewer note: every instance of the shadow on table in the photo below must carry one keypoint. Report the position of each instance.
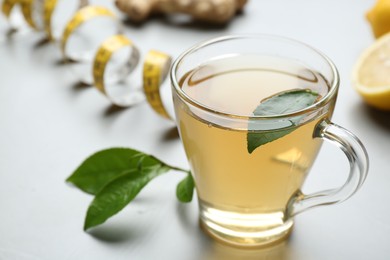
(112, 233)
(171, 134)
(80, 86)
(9, 33)
(43, 42)
(114, 110)
(379, 117)
(62, 62)
(8, 37)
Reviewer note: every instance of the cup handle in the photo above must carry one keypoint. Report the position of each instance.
(358, 160)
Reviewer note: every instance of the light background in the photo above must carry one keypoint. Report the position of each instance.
(48, 125)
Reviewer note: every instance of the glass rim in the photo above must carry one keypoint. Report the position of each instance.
(319, 104)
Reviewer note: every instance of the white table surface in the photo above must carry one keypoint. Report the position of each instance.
(48, 125)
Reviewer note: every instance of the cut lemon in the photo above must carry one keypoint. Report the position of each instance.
(371, 75)
(379, 17)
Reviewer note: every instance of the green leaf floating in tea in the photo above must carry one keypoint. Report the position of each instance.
(281, 103)
(116, 176)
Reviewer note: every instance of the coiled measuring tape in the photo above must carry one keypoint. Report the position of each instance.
(103, 56)
(7, 7)
(48, 10)
(27, 8)
(155, 71)
(83, 15)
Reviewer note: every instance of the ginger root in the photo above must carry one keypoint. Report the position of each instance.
(214, 11)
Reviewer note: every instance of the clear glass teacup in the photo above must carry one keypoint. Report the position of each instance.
(249, 142)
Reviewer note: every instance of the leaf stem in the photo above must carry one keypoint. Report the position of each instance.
(172, 167)
(179, 169)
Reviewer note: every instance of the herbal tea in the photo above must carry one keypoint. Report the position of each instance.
(237, 189)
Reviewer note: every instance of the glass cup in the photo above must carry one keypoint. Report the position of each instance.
(250, 199)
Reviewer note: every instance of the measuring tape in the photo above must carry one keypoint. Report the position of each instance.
(48, 7)
(156, 68)
(103, 56)
(48, 10)
(83, 15)
(7, 6)
(27, 7)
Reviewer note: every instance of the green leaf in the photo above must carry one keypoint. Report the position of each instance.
(281, 103)
(185, 189)
(286, 102)
(257, 139)
(116, 176)
(121, 191)
(103, 167)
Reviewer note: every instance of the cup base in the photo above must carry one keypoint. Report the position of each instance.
(244, 230)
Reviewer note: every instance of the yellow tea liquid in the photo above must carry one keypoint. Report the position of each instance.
(241, 194)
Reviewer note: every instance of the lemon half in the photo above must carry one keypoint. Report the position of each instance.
(371, 75)
(379, 17)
